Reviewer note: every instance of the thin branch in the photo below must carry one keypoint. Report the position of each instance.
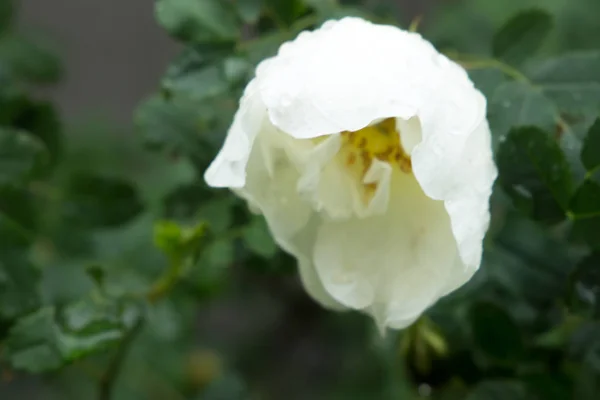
(109, 378)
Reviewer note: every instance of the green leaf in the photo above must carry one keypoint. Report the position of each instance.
(535, 173)
(20, 154)
(498, 390)
(197, 20)
(19, 281)
(29, 60)
(18, 218)
(217, 213)
(258, 238)
(495, 333)
(585, 209)
(586, 200)
(585, 286)
(174, 125)
(176, 241)
(210, 273)
(38, 118)
(94, 201)
(487, 80)
(517, 104)
(199, 84)
(249, 10)
(522, 35)
(590, 153)
(572, 81)
(6, 14)
(32, 344)
(285, 11)
(49, 338)
(528, 262)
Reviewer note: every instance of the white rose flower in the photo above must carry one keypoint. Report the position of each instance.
(368, 153)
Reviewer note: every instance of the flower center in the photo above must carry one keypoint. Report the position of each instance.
(379, 141)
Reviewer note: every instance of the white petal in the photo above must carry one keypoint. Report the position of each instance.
(348, 74)
(291, 220)
(395, 265)
(229, 167)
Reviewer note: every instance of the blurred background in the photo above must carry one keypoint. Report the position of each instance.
(122, 276)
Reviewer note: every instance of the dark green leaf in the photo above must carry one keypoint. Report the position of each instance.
(495, 333)
(528, 262)
(285, 11)
(585, 286)
(20, 154)
(93, 201)
(572, 81)
(498, 390)
(28, 60)
(6, 14)
(258, 238)
(535, 173)
(19, 281)
(197, 20)
(516, 104)
(522, 35)
(38, 118)
(590, 154)
(586, 200)
(18, 218)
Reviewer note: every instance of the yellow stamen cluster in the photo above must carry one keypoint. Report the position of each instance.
(379, 141)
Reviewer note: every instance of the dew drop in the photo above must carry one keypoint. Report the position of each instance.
(523, 191)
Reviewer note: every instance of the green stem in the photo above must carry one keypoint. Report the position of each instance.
(108, 380)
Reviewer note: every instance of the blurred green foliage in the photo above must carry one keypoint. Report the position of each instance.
(122, 276)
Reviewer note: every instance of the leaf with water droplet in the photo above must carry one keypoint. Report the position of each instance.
(531, 160)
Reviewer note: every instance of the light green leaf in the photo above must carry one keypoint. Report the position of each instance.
(197, 20)
(249, 10)
(522, 35)
(323, 7)
(198, 84)
(572, 81)
(516, 104)
(48, 338)
(172, 125)
(535, 173)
